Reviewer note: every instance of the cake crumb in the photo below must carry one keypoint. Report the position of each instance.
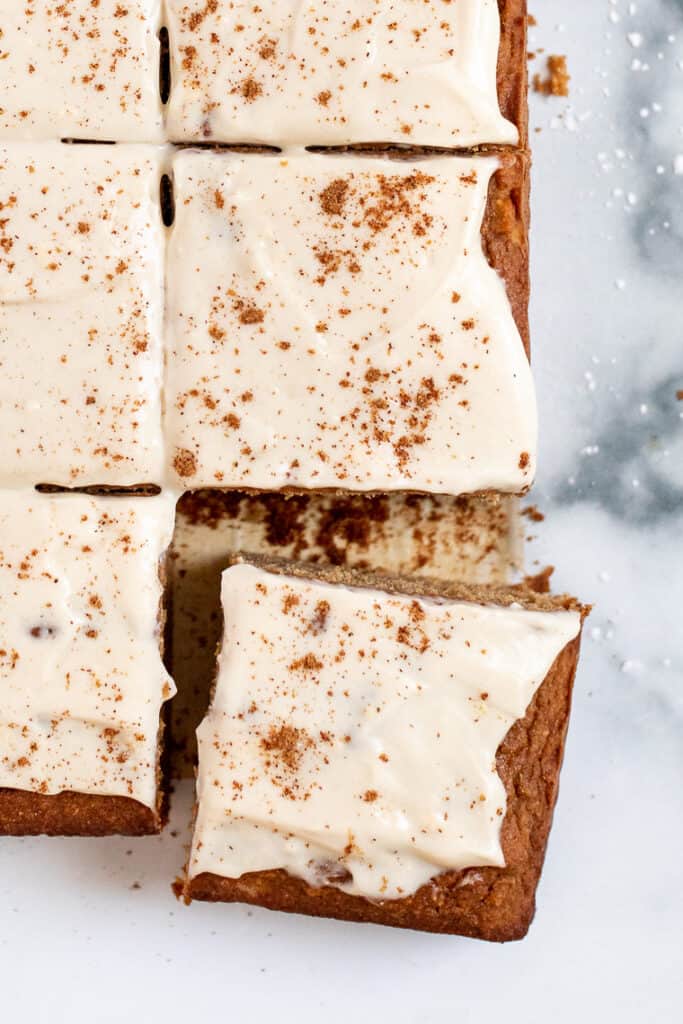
(178, 889)
(531, 512)
(556, 81)
(540, 582)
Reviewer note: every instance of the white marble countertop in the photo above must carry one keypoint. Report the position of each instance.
(99, 937)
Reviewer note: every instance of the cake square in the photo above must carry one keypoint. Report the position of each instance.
(422, 72)
(80, 69)
(81, 315)
(383, 749)
(81, 671)
(349, 322)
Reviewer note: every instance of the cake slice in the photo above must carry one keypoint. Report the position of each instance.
(421, 72)
(383, 749)
(81, 313)
(80, 69)
(349, 323)
(82, 680)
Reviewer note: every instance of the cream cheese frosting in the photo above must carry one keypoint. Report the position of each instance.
(421, 72)
(333, 322)
(353, 733)
(81, 674)
(80, 69)
(81, 314)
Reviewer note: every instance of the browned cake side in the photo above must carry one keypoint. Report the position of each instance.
(512, 65)
(74, 814)
(505, 234)
(496, 904)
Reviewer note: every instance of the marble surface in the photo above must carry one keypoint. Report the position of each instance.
(99, 935)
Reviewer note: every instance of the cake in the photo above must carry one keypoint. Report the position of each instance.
(334, 322)
(81, 670)
(80, 70)
(420, 72)
(382, 749)
(81, 315)
(316, 327)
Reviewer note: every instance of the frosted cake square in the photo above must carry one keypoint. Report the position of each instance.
(421, 72)
(383, 749)
(80, 69)
(81, 314)
(81, 671)
(349, 323)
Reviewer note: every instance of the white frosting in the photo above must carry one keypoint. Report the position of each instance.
(356, 731)
(295, 72)
(81, 675)
(81, 314)
(333, 322)
(79, 69)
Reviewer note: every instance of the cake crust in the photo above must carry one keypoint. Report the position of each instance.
(75, 814)
(505, 235)
(496, 904)
(512, 66)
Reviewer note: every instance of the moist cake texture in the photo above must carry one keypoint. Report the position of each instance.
(353, 733)
(81, 313)
(334, 323)
(422, 72)
(80, 69)
(81, 672)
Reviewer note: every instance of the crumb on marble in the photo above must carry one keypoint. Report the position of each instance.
(556, 81)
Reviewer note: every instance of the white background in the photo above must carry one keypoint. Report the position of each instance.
(90, 931)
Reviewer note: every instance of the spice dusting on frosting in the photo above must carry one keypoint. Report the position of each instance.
(375, 771)
(80, 69)
(81, 293)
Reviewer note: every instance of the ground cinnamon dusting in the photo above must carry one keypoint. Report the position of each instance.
(288, 744)
(251, 89)
(309, 663)
(249, 313)
(333, 198)
(185, 462)
(196, 18)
